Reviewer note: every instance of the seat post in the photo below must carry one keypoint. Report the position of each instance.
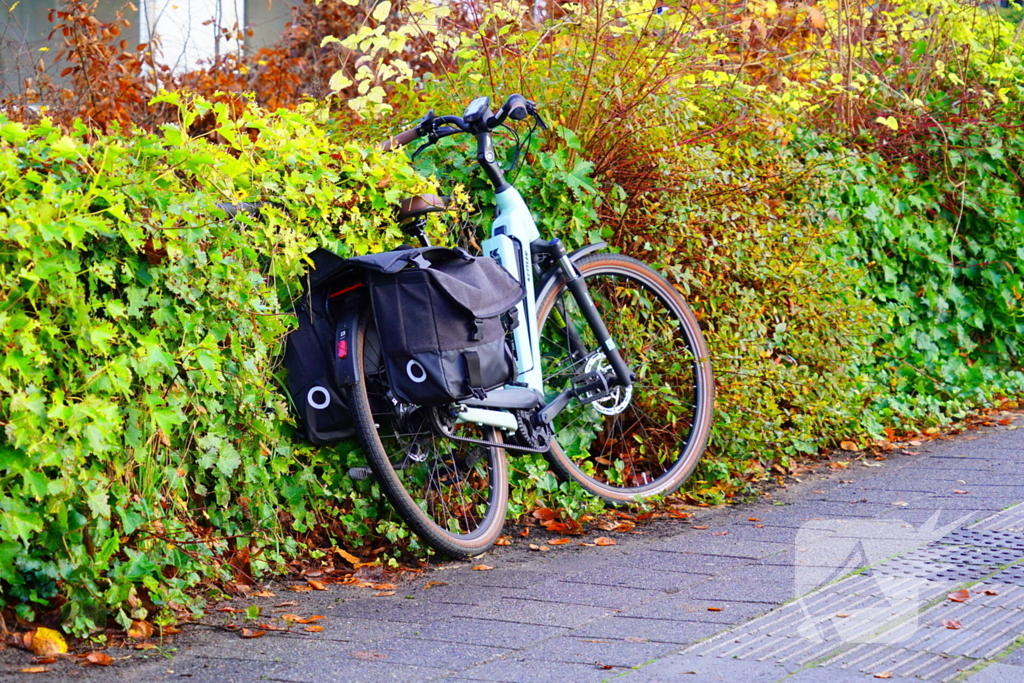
(417, 229)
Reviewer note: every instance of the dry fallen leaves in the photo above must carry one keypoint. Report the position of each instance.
(314, 629)
(699, 526)
(317, 585)
(141, 630)
(604, 540)
(384, 594)
(884, 674)
(503, 540)
(347, 556)
(959, 596)
(559, 541)
(434, 584)
(544, 514)
(249, 633)
(33, 670)
(99, 659)
(989, 591)
(301, 589)
(482, 568)
(714, 609)
(951, 623)
(849, 446)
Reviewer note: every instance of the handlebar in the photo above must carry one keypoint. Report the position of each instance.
(434, 127)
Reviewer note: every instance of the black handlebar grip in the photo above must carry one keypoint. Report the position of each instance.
(402, 139)
(516, 107)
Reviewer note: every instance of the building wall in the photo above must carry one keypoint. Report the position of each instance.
(186, 31)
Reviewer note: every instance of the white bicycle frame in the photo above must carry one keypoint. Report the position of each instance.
(512, 232)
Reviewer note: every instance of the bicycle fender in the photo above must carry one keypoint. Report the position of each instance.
(584, 251)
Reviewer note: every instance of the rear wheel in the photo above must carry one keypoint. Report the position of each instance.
(641, 441)
(452, 494)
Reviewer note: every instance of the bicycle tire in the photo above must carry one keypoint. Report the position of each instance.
(638, 443)
(453, 495)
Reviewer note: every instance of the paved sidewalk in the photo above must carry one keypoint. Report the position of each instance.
(872, 552)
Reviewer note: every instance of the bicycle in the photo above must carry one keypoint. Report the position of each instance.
(621, 405)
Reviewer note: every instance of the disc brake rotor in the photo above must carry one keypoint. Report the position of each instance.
(618, 398)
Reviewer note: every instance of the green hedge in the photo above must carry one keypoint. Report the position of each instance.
(145, 437)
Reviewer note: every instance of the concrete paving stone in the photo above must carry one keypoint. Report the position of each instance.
(881, 496)
(454, 655)
(540, 612)
(968, 503)
(965, 642)
(686, 562)
(617, 651)
(746, 530)
(818, 674)
(616, 597)
(723, 546)
(654, 630)
(816, 509)
(1015, 653)
(396, 609)
(768, 584)
(685, 667)
(621, 574)
(318, 670)
(502, 577)
(228, 670)
(487, 632)
(1000, 672)
(872, 658)
(513, 670)
(695, 609)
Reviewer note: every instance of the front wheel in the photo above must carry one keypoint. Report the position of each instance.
(645, 440)
(452, 494)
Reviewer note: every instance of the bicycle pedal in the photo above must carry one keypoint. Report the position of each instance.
(591, 386)
(360, 473)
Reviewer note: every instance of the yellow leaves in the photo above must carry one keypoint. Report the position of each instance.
(889, 122)
(339, 81)
(381, 11)
(45, 642)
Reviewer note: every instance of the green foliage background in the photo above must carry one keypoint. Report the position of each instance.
(846, 217)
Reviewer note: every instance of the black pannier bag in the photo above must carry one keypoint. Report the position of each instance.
(323, 411)
(439, 314)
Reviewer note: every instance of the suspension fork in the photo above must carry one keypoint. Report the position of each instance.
(576, 285)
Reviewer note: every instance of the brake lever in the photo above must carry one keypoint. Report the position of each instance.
(532, 108)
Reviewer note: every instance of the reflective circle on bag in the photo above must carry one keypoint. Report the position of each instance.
(416, 372)
(318, 398)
